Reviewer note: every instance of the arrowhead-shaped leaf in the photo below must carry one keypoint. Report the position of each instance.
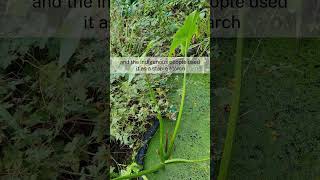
(184, 35)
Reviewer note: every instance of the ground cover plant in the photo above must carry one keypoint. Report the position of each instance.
(52, 114)
(131, 100)
(135, 23)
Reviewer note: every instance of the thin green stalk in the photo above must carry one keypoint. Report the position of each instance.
(141, 173)
(154, 101)
(178, 160)
(179, 117)
(233, 117)
(159, 116)
(177, 126)
(160, 166)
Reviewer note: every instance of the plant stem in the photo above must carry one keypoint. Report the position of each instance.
(159, 117)
(179, 116)
(154, 101)
(226, 156)
(177, 160)
(177, 126)
(160, 166)
(141, 173)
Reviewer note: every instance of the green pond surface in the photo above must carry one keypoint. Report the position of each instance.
(193, 138)
(278, 132)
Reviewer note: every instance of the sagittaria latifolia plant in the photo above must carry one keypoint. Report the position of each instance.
(182, 39)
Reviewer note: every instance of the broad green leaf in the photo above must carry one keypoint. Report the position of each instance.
(184, 35)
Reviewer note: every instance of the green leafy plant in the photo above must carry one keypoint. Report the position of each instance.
(136, 23)
(131, 107)
(180, 40)
(52, 117)
(133, 112)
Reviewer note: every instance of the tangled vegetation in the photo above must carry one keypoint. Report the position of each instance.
(132, 111)
(136, 23)
(52, 116)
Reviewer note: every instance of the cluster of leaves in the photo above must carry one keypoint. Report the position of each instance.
(130, 169)
(136, 23)
(132, 111)
(52, 117)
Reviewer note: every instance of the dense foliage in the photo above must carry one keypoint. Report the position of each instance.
(132, 111)
(134, 25)
(52, 117)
